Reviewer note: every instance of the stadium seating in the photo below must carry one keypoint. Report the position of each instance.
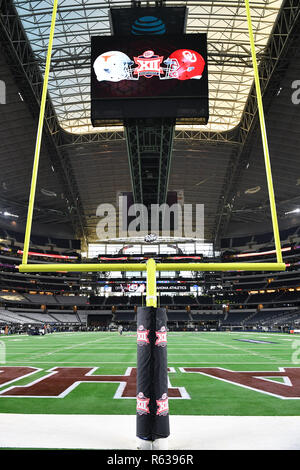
(185, 300)
(124, 317)
(204, 300)
(165, 300)
(233, 289)
(257, 239)
(267, 317)
(137, 300)
(65, 317)
(71, 300)
(237, 317)
(6, 316)
(116, 300)
(207, 317)
(96, 300)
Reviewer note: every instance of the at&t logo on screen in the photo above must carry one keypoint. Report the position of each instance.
(148, 25)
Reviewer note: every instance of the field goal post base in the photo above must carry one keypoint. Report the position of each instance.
(157, 444)
(152, 411)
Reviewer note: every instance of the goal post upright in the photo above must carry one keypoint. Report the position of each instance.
(39, 138)
(264, 137)
(151, 294)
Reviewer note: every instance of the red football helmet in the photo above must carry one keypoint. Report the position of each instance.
(184, 64)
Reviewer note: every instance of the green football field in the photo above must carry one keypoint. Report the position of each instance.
(56, 373)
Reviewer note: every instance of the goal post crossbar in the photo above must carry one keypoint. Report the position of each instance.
(151, 267)
(95, 267)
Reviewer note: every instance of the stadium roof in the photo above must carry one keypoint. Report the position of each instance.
(224, 21)
(219, 165)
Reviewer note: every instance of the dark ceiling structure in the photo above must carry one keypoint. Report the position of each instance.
(220, 165)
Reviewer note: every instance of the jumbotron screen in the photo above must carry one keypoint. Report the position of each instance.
(148, 77)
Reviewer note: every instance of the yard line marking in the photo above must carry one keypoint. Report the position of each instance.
(134, 352)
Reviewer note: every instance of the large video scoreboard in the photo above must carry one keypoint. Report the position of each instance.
(149, 77)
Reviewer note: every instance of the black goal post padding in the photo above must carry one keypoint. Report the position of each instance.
(152, 374)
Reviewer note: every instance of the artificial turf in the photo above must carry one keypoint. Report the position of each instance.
(112, 354)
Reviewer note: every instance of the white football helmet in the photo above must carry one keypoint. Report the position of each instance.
(113, 66)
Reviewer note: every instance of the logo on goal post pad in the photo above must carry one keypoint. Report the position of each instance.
(163, 405)
(161, 336)
(142, 404)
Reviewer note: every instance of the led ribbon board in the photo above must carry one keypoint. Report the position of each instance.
(149, 77)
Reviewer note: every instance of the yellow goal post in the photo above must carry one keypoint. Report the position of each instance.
(151, 267)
